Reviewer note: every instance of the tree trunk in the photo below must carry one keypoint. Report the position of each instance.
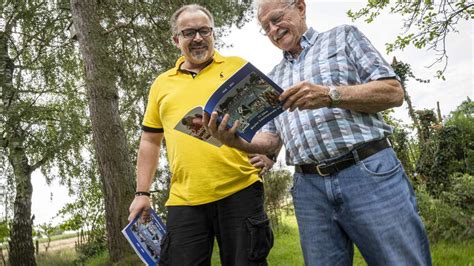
(21, 243)
(411, 110)
(109, 136)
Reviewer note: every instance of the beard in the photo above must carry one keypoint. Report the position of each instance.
(199, 52)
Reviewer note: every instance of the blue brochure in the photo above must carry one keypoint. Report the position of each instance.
(144, 234)
(248, 96)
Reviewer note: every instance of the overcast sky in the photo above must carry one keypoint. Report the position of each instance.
(324, 15)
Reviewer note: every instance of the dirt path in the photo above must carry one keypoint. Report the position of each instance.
(55, 245)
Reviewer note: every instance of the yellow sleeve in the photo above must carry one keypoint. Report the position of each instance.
(151, 120)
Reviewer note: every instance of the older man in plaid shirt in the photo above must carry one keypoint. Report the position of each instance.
(349, 187)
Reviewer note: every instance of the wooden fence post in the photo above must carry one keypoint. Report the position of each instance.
(37, 246)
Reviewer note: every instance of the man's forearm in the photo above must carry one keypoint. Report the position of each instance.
(146, 169)
(147, 161)
(262, 143)
(371, 97)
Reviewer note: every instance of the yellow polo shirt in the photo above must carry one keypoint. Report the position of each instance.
(201, 172)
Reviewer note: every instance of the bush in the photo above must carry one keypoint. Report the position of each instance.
(450, 217)
(276, 185)
(95, 244)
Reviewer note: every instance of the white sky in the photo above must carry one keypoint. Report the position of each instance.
(324, 15)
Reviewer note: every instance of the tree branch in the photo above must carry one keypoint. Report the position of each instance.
(120, 26)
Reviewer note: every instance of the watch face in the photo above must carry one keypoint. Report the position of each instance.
(334, 94)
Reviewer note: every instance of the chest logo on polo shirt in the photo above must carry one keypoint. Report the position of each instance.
(221, 74)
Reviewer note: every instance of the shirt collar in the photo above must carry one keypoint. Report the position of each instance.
(307, 40)
(217, 58)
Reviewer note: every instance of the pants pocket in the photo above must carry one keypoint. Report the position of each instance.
(260, 238)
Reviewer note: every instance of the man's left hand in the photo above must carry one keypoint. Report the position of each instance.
(262, 162)
(305, 95)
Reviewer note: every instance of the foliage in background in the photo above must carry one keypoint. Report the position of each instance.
(449, 217)
(161, 186)
(4, 230)
(438, 158)
(427, 23)
(86, 214)
(43, 109)
(463, 119)
(276, 186)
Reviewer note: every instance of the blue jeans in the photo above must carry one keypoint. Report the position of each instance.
(370, 204)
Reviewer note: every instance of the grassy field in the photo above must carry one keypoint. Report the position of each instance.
(286, 251)
(64, 257)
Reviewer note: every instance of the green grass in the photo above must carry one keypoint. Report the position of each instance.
(459, 254)
(57, 258)
(286, 251)
(103, 259)
(286, 248)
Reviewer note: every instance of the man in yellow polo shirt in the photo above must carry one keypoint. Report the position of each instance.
(215, 191)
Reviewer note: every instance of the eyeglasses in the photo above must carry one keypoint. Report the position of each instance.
(275, 19)
(191, 33)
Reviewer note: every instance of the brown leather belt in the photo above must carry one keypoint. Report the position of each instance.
(363, 152)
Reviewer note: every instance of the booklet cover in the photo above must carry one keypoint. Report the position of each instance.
(144, 235)
(248, 96)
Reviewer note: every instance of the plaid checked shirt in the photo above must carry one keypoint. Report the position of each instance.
(340, 56)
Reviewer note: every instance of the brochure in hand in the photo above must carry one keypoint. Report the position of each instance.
(191, 124)
(144, 234)
(248, 96)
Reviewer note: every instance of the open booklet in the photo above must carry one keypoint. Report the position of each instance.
(248, 96)
(144, 235)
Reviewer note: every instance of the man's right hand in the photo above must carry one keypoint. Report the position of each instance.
(220, 131)
(139, 204)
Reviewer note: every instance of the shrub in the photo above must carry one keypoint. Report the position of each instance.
(450, 216)
(96, 244)
(276, 185)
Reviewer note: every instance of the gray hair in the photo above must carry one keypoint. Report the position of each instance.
(192, 8)
(258, 3)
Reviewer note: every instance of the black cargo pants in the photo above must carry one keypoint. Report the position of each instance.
(238, 222)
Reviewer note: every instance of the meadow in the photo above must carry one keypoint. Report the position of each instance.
(286, 251)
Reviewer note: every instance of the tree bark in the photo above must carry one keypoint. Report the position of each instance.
(109, 136)
(21, 243)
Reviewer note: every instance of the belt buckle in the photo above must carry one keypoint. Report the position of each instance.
(319, 170)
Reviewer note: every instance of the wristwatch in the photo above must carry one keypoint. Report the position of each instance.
(334, 95)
